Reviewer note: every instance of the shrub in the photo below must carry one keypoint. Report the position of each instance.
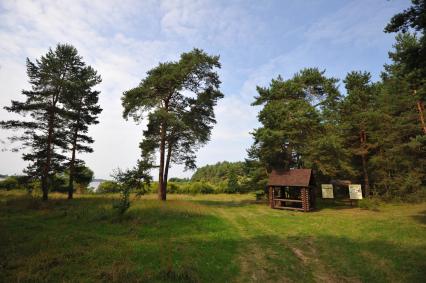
(108, 187)
(201, 188)
(58, 183)
(260, 194)
(10, 183)
(123, 204)
(136, 179)
(172, 188)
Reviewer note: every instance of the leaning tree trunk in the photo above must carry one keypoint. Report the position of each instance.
(166, 168)
(161, 191)
(72, 167)
(421, 108)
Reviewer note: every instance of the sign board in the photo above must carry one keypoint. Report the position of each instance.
(327, 191)
(355, 191)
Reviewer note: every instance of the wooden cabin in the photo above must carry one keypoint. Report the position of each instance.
(293, 189)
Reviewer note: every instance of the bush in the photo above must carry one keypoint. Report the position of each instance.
(10, 183)
(123, 204)
(172, 188)
(108, 187)
(417, 197)
(260, 194)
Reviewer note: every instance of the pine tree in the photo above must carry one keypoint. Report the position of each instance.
(178, 124)
(358, 119)
(233, 185)
(292, 118)
(82, 111)
(409, 56)
(50, 77)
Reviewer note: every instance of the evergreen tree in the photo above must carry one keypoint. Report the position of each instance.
(409, 57)
(82, 109)
(359, 118)
(44, 133)
(178, 123)
(292, 118)
(233, 185)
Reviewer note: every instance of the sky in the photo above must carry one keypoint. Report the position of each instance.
(122, 40)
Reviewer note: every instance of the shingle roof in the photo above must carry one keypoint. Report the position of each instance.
(292, 178)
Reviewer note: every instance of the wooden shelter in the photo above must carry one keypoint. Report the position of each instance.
(293, 189)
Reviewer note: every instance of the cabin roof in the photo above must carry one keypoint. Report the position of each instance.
(290, 178)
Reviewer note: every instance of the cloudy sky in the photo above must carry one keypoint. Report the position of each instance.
(256, 40)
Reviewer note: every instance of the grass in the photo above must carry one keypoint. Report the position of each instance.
(207, 238)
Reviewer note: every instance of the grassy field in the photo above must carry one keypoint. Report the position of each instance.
(214, 238)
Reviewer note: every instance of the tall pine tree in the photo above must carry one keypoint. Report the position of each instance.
(44, 132)
(82, 110)
(179, 98)
(358, 120)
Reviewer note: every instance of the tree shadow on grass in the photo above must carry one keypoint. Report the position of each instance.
(372, 260)
(420, 217)
(335, 204)
(230, 203)
(149, 243)
(160, 243)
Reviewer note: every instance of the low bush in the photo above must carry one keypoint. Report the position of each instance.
(260, 194)
(108, 187)
(10, 183)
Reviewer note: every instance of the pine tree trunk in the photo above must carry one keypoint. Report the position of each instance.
(46, 169)
(72, 169)
(363, 138)
(366, 180)
(421, 108)
(44, 187)
(161, 192)
(166, 168)
(72, 163)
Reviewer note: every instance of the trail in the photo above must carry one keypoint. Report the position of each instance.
(257, 253)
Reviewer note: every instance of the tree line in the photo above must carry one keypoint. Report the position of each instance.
(375, 134)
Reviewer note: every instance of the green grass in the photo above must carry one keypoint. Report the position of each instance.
(213, 238)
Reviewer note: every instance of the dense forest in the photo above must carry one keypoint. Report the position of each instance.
(369, 132)
(374, 133)
(218, 172)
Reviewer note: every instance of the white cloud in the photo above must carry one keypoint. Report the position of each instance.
(358, 23)
(28, 28)
(209, 21)
(123, 39)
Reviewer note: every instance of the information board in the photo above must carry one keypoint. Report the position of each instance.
(355, 191)
(327, 191)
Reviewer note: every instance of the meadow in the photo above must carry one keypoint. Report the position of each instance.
(207, 238)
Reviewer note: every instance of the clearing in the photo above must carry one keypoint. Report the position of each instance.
(207, 238)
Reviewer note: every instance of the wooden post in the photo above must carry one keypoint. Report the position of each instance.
(303, 197)
(271, 196)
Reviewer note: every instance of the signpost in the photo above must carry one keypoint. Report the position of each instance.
(327, 191)
(355, 191)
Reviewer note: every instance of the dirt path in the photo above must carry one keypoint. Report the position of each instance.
(253, 256)
(256, 256)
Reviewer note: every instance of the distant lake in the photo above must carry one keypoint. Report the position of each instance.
(95, 184)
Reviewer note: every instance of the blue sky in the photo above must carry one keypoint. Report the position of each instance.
(257, 40)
